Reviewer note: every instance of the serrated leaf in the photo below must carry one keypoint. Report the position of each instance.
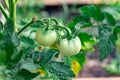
(47, 56)
(27, 40)
(92, 11)
(29, 65)
(28, 51)
(82, 20)
(71, 25)
(84, 37)
(37, 56)
(60, 70)
(24, 75)
(109, 18)
(106, 41)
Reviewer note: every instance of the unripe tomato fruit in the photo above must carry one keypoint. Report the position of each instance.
(46, 37)
(69, 47)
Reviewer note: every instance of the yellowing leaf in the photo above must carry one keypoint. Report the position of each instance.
(75, 67)
(42, 72)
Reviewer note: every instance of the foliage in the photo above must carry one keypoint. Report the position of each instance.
(22, 57)
(107, 25)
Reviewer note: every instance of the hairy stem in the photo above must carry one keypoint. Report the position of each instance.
(12, 11)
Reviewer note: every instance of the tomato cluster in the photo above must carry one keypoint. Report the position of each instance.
(61, 37)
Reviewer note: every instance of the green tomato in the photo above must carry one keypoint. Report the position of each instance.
(69, 47)
(2, 56)
(46, 37)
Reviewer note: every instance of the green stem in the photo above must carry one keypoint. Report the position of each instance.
(48, 23)
(4, 12)
(28, 24)
(6, 4)
(54, 20)
(12, 10)
(67, 30)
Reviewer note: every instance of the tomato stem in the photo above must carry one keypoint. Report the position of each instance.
(12, 11)
(29, 24)
(48, 23)
(26, 26)
(53, 19)
(69, 35)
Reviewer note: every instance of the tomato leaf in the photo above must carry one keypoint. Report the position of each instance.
(84, 37)
(106, 41)
(27, 40)
(47, 56)
(109, 18)
(84, 21)
(29, 65)
(24, 75)
(80, 58)
(60, 70)
(92, 11)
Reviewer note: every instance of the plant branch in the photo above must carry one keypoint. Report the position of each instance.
(28, 24)
(66, 29)
(53, 19)
(12, 11)
(3, 11)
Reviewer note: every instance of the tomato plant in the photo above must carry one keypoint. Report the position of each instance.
(29, 57)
